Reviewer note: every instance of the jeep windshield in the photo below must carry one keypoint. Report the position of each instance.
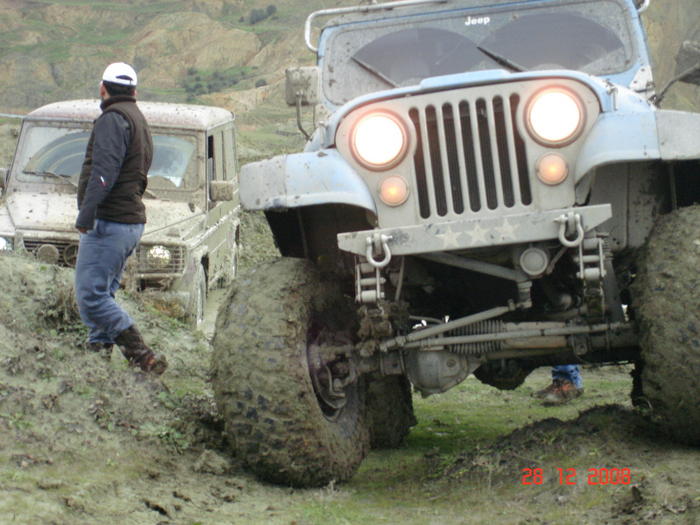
(48, 154)
(592, 36)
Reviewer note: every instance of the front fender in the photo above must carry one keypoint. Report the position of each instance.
(619, 137)
(679, 134)
(303, 179)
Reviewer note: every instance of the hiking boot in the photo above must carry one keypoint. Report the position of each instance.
(104, 349)
(541, 394)
(137, 352)
(559, 392)
(154, 363)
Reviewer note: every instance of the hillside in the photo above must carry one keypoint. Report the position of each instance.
(230, 53)
(50, 50)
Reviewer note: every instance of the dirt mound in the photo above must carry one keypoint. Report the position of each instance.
(608, 456)
(85, 440)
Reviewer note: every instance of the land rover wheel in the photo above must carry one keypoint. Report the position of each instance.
(667, 308)
(290, 397)
(389, 411)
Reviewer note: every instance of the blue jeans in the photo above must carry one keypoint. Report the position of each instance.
(569, 372)
(102, 256)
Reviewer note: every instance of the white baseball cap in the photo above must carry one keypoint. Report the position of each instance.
(120, 73)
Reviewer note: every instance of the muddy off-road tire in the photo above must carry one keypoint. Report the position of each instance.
(389, 411)
(667, 307)
(267, 335)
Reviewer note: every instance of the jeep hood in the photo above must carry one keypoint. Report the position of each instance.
(458, 81)
(56, 212)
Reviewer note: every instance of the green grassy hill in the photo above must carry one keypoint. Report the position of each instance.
(53, 49)
(230, 53)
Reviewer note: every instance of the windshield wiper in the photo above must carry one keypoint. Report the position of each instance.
(501, 60)
(54, 175)
(67, 178)
(375, 72)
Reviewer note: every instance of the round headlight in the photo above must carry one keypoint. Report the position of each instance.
(379, 141)
(555, 117)
(5, 244)
(158, 257)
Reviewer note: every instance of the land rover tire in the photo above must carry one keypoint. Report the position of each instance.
(389, 411)
(271, 366)
(667, 307)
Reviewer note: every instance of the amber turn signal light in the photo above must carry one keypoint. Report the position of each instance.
(552, 169)
(393, 191)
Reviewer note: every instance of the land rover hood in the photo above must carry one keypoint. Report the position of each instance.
(57, 212)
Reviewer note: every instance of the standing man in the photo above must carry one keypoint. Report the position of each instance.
(111, 217)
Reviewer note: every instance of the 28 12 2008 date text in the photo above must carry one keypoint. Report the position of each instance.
(569, 476)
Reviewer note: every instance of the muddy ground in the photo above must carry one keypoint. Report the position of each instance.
(89, 441)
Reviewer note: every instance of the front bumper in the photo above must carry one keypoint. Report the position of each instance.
(475, 233)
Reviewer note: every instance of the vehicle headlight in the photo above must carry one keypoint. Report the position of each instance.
(379, 140)
(6, 244)
(555, 117)
(159, 257)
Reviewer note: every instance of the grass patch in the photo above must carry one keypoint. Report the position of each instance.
(411, 485)
(140, 7)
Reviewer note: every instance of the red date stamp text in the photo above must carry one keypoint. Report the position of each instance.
(569, 476)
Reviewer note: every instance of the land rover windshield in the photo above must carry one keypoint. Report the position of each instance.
(48, 153)
(592, 36)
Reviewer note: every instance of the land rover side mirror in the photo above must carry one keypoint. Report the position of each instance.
(221, 190)
(302, 86)
(688, 62)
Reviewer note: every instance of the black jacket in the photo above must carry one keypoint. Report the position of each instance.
(114, 173)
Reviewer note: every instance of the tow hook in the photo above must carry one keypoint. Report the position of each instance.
(378, 253)
(570, 223)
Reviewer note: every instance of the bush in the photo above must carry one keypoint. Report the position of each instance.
(258, 15)
(260, 82)
(199, 82)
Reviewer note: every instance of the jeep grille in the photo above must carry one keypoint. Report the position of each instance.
(470, 157)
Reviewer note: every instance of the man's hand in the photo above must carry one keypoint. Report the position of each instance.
(82, 230)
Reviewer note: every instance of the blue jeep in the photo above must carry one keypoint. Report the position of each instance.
(489, 187)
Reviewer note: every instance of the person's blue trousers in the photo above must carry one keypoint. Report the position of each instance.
(102, 256)
(569, 372)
